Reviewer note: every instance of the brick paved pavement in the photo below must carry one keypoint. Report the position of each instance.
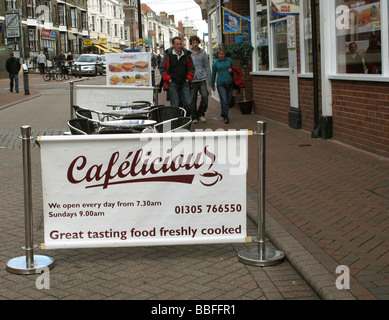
(327, 204)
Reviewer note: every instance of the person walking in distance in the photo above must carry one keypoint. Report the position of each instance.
(41, 60)
(177, 71)
(12, 66)
(199, 83)
(221, 69)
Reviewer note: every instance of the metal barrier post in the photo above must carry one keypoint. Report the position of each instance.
(30, 263)
(71, 99)
(261, 256)
(155, 86)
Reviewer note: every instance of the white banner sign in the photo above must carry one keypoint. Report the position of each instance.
(128, 69)
(144, 189)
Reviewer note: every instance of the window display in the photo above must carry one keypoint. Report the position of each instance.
(308, 48)
(358, 36)
(262, 38)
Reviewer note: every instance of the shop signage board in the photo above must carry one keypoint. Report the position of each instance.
(245, 34)
(48, 34)
(129, 69)
(283, 8)
(87, 43)
(232, 22)
(144, 189)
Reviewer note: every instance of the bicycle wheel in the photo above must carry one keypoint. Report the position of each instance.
(59, 76)
(47, 76)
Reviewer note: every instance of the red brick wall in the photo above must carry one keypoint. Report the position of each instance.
(361, 115)
(271, 95)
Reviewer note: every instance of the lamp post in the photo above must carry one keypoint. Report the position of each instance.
(140, 24)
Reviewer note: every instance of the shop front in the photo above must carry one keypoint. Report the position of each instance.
(317, 65)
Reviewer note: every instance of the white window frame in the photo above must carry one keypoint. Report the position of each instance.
(330, 48)
(304, 71)
(272, 42)
(272, 70)
(73, 18)
(61, 14)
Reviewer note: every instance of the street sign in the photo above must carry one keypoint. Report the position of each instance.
(140, 41)
(12, 25)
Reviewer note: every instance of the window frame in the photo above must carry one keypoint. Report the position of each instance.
(303, 56)
(271, 36)
(332, 68)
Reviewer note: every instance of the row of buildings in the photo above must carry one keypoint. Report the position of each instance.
(81, 26)
(318, 65)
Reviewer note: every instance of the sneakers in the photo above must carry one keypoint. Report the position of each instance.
(226, 120)
(202, 119)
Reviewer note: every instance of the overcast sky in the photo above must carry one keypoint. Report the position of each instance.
(180, 9)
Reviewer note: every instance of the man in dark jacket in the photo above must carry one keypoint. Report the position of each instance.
(177, 71)
(13, 67)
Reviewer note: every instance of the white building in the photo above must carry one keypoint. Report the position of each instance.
(106, 24)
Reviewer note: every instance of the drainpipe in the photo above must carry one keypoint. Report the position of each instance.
(221, 4)
(316, 127)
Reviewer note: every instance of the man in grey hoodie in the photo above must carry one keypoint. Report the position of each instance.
(199, 83)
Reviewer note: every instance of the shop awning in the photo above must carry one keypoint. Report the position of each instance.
(116, 50)
(101, 48)
(111, 49)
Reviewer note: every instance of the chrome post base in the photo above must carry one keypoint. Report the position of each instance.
(252, 257)
(19, 265)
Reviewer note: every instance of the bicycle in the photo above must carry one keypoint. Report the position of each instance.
(49, 74)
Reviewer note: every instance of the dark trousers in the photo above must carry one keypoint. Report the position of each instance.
(201, 87)
(41, 67)
(13, 79)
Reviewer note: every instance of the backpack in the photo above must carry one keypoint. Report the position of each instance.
(237, 75)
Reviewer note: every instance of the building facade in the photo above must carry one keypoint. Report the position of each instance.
(48, 25)
(317, 65)
(106, 26)
(157, 29)
(81, 26)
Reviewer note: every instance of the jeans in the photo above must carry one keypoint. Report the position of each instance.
(13, 78)
(41, 68)
(179, 95)
(201, 87)
(225, 94)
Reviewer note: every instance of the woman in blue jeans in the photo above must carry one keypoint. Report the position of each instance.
(222, 73)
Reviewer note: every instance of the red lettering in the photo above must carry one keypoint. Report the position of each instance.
(135, 164)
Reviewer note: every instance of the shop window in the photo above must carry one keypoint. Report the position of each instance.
(63, 42)
(33, 39)
(271, 38)
(306, 34)
(358, 36)
(261, 32)
(280, 47)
